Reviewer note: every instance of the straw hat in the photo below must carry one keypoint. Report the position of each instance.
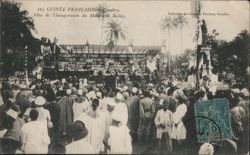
(40, 101)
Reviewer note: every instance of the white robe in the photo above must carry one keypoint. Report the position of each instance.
(119, 140)
(165, 118)
(79, 147)
(122, 109)
(35, 138)
(179, 131)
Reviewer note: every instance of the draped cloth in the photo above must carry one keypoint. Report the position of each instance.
(66, 113)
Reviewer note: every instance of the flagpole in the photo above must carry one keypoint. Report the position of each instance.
(196, 6)
(26, 68)
(55, 57)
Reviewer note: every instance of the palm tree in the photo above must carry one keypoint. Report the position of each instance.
(115, 31)
(16, 33)
(102, 14)
(180, 21)
(167, 23)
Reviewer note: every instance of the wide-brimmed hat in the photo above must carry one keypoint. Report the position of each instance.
(40, 100)
(12, 113)
(77, 130)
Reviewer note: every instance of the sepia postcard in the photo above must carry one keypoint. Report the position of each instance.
(124, 77)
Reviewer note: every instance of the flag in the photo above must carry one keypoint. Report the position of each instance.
(151, 65)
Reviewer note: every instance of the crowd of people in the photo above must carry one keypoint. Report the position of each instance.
(63, 117)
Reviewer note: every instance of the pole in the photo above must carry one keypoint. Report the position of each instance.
(55, 58)
(87, 48)
(26, 68)
(197, 68)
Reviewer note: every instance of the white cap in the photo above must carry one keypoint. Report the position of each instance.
(68, 91)
(99, 94)
(134, 90)
(140, 92)
(236, 90)
(39, 76)
(63, 80)
(206, 149)
(119, 96)
(125, 88)
(91, 95)
(79, 92)
(111, 102)
(22, 86)
(245, 92)
(40, 100)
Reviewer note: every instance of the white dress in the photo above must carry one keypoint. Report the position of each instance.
(119, 140)
(95, 128)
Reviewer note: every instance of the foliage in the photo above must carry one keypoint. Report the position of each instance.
(232, 56)
(115, 31)
(16, 35)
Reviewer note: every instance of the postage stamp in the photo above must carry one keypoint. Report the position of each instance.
(217, 125)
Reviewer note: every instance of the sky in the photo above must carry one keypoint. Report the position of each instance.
(142, 21)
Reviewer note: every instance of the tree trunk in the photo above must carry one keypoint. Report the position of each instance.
(101, 38)
(181, 37)
(169, 49)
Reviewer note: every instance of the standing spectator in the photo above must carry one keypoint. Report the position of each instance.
(95, 127)
(44, 114)
(79, 103)
(66, 113)
(133, 104)
(12, 139)
(179, 130)
(35, 135)
(163, 122)
(147, 111)
(9, 104)
(118, 140)
(121, 108)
